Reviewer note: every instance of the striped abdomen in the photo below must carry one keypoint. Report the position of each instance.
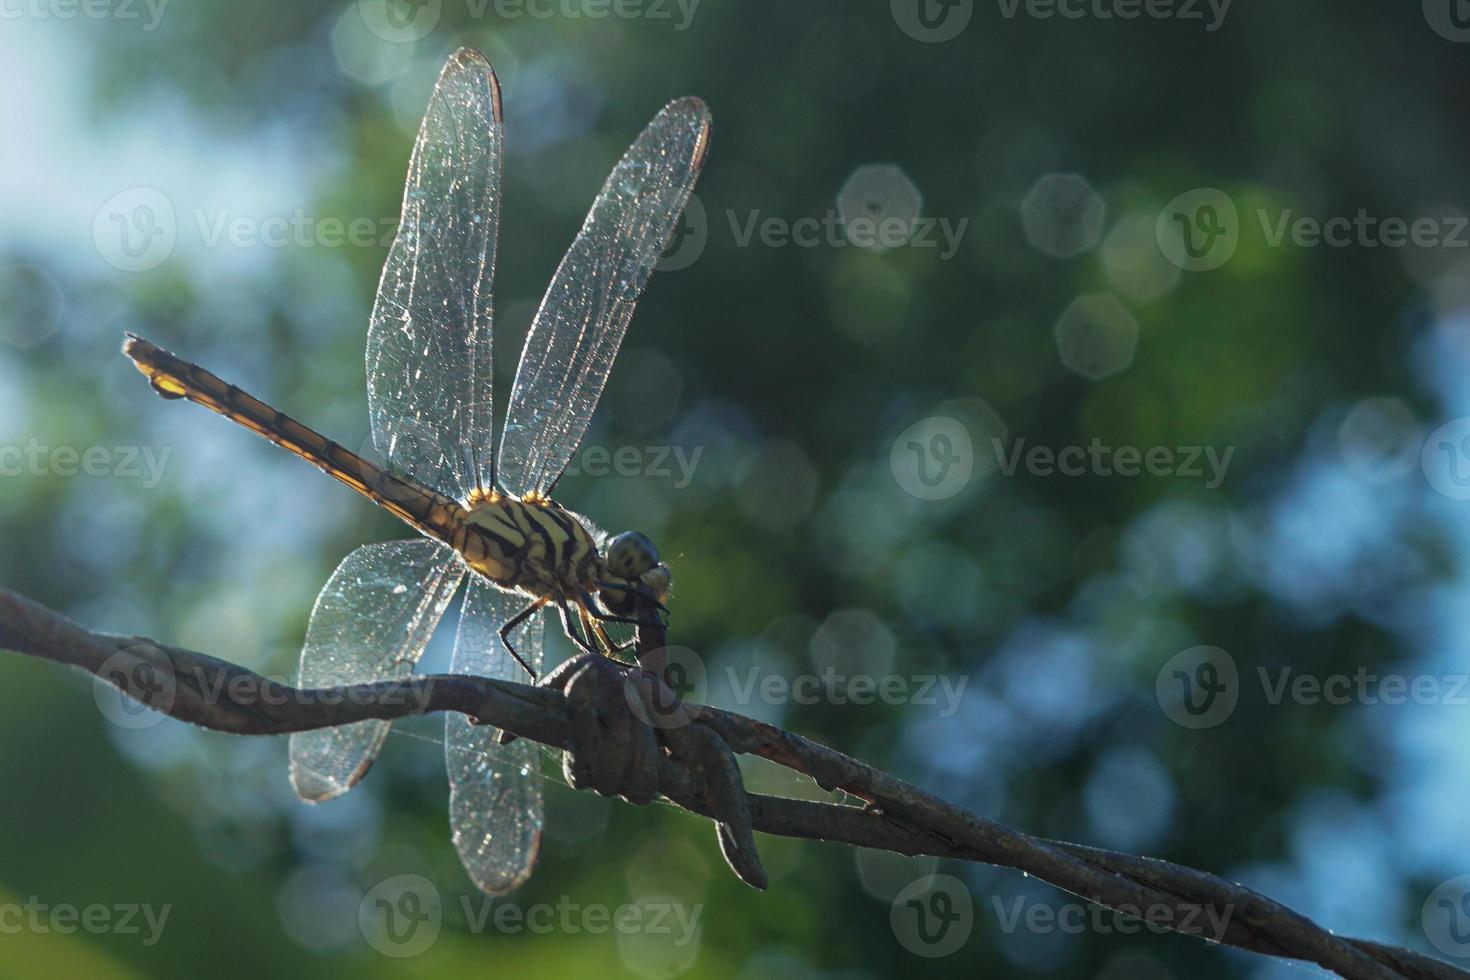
(432, 513)
(534, 544)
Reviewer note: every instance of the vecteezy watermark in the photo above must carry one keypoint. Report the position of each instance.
(1363, 686)
(1210, 13)
(1445, 459)
(834, 230)
(135, 229)
(688, 679)
(1021, 914)
(687, 241)
(121, 919)
(1200, 229)
(934, 458)
(933, 916)
(878, 209)
(1450, 19)
(402, 916)
(881, 208)
(935, 21)
(1362, 230)
(138, 229)
(657, 917)
(149, 12)
(831, 686)
(137, 686)
(407, 21)
(1445, 917)
(1201, 687)
(123, 462)
(932, 21)
(1205, 463)
(674, 463)
(679, 699)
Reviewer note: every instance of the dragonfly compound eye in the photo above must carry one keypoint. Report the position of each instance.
(630, 554)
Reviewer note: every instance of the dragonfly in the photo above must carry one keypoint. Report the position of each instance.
(484, 517)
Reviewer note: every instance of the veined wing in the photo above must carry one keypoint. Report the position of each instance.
(429, 362)
(585, 312)
(495, 808)
(371, 622)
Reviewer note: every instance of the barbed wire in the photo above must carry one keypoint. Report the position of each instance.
(624, 734)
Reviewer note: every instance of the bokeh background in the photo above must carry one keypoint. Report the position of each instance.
(223, 179)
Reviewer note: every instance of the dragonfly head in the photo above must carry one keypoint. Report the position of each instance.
(634, 570)
(630, 554)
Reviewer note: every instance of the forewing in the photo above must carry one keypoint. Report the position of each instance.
(429, 362)
(371, 623)
(495, 808)
(585, 312)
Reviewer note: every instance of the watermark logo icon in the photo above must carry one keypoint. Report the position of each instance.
(131, 691)
(400, 21)
(135, 230)
(685, 676)
(1198, 230)
(932, 21)
(688, 240)
(1445, 459)
(933, 916)
(401, 916)
(1450, 19)
(934, 458)
(1445, 917)
(1198, 688)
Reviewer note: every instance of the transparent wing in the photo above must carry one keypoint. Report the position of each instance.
(585, 312)
(429, 342)
(371, 622)
(495, 810)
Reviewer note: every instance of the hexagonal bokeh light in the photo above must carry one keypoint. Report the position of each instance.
(879, 206)
(1380, 438)
(30, 305)
(1096, 336)
(1134, 265)
(1062, 215)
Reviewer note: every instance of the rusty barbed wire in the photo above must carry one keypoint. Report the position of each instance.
(694, 775)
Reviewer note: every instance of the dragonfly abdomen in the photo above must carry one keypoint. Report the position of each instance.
(432, 513)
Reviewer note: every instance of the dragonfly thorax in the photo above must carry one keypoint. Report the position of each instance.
(532, 544)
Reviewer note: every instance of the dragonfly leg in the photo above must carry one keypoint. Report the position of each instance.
(637, 590)
(594, 629)
(590, 605)
(511, 624)
(595, 617)
(566, 625)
